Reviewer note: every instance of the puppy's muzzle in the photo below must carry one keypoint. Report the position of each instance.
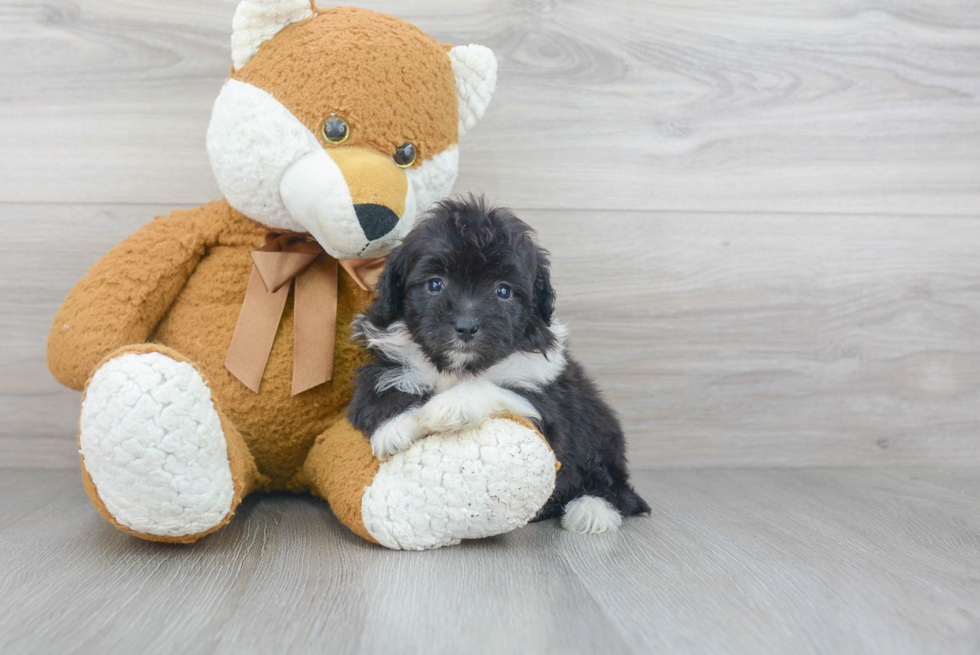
(466, 329)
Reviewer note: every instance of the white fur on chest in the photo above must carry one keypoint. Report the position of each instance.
(417, 375)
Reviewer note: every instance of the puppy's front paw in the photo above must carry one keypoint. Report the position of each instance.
(450, 412)
(395, 434)
(469, 404)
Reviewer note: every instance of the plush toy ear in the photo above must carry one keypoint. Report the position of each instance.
(475, 70)
(257, 21)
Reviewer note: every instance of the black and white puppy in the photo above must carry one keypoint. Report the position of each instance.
(462, 330)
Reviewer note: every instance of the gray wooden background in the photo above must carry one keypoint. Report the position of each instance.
(765, 216)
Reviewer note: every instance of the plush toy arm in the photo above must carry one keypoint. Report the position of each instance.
(123, 296)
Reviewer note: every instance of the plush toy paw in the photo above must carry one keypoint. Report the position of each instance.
(469, 404)
(396, 434)
(474, 483)
(152, 442)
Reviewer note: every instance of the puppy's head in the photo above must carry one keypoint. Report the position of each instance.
(470, 284)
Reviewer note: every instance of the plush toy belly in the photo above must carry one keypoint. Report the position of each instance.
(278, 428)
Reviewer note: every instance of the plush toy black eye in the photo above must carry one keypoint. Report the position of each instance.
(435, 285)
(404, 155)
(335, 130)
(504, 292)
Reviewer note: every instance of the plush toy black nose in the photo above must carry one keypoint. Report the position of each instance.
(466, 328)
(375, 220)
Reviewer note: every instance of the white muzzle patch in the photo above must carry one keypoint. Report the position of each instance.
(314, 189)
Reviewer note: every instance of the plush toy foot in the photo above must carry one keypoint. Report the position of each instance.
(447, 487)
(154, 452)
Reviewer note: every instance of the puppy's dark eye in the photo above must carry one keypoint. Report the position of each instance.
(404, 155)
(435, 285)
(504, 292)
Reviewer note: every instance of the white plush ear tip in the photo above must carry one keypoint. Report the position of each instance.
(257, 21)
(475, 70)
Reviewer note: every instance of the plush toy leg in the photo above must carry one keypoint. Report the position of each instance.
(159, 459)
(445, 488)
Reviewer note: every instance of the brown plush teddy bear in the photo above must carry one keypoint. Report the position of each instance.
(213, 345)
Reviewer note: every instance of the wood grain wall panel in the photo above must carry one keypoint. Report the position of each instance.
(764, 215)
(717, 105)
(723, 340)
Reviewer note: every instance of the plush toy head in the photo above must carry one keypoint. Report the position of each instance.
(342, 122)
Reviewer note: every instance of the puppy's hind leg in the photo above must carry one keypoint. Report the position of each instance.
(607, 499)
(627, 501)
(591, 514)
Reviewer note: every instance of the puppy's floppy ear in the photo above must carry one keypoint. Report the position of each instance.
(389, 304)
(544, 293)
(538, 337)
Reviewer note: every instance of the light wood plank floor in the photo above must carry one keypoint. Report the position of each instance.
(748, 561)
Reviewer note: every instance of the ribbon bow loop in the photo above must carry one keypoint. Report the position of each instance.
(286, 258)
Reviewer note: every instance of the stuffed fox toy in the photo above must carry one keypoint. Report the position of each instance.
(213, 345)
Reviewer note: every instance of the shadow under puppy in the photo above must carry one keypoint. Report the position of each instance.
(461, 330)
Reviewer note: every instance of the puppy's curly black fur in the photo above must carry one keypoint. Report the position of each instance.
(466, 295)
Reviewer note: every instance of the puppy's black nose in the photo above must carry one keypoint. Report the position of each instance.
(466, 328)
(375, 220)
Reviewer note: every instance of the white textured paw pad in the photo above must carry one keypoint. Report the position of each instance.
(153, 444)
(591, 514)
(463, 485)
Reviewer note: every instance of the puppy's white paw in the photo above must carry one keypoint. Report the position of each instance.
(396, 434)
(591, 514)
(469, 404)
(451, 411)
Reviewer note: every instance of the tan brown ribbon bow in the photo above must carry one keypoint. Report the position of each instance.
(288, 256)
